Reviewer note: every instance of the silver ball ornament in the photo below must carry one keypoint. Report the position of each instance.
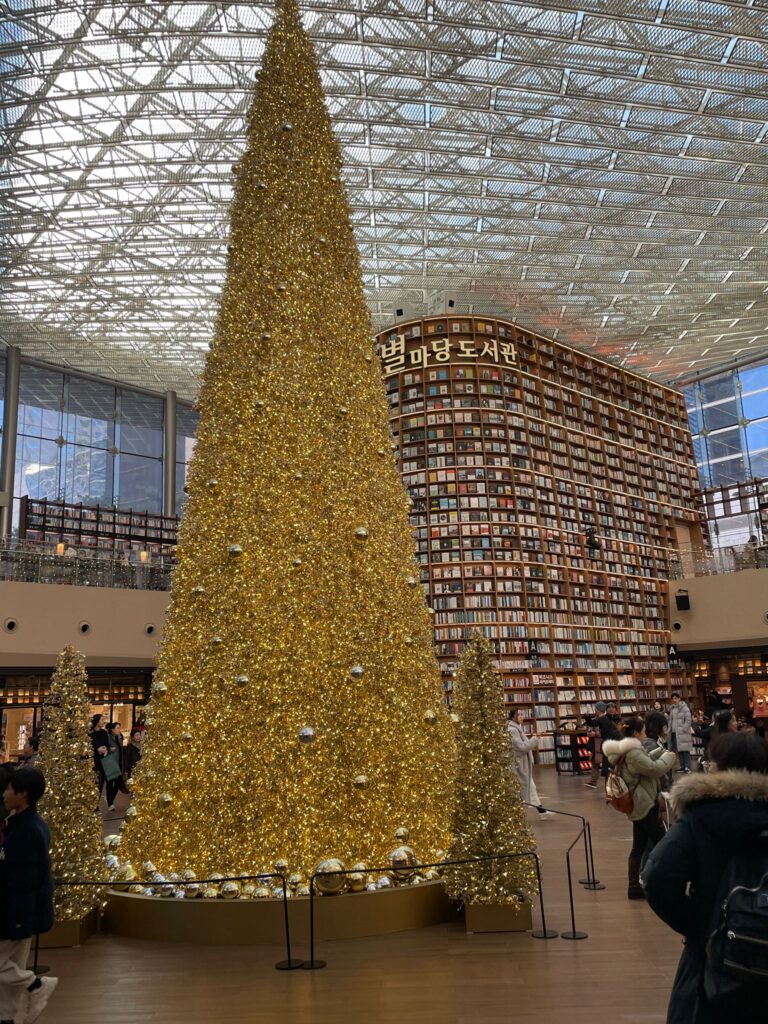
(307, 735)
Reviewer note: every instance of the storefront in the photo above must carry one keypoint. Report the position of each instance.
(117, 694)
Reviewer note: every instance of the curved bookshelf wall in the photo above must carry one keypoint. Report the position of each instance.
(550, 490)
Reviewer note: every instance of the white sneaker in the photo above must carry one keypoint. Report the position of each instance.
(545, 814)
(37, 1000)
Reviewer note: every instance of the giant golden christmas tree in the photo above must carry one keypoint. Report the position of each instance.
(297, 710)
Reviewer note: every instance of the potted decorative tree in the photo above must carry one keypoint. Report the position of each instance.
(488, 813)
(66, 761)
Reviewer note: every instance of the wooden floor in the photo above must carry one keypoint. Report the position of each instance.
(622, 972)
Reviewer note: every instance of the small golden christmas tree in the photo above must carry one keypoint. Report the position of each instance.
(297, 711)
(488, 817)
(66, 761)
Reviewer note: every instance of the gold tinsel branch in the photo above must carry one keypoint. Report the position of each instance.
(488, 815)
(66, 761)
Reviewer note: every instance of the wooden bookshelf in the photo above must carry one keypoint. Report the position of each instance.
(95, 526)
(549, 491)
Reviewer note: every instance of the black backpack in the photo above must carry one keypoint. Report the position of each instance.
(737, 947)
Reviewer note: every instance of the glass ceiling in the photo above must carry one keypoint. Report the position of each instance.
(596, 169)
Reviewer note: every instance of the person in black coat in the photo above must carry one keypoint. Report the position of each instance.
(26, 897)
(719, 812)
(102, 745)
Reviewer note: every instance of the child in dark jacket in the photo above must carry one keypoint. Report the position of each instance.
(26, 898)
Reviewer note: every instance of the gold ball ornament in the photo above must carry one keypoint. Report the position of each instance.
(287, 126)
(430, 717)
(357, 882)
(216, 640)
(402, 834)
(369, 358)
(302, 890)
(213, 483)
(360, 782)
(192, 890)
(125, 873)
(130, 812)
(211, 893)
(297, 562)
(242, 681)
(431, 874)
(298, 476)
(261, 893)
(295, 880)
(384, 882)
(235, 551)
(357, 672)
(361, 534)
(402, 861)
(328, 882)
(230, 890)
(137, 890)
(248, 891)
(266, 336)
(148, 869)
(281, 866)
(412, 581)
(455, 718)
(360, 866)
(417, 880)
(165, 799)
(111, 862)
(159, 688)
(282, 286)
(258, 404)
(382, 451)
(112, 842)
(198, 589)
(343, 410)
(307, 735)
(186, 736)
(188, 875)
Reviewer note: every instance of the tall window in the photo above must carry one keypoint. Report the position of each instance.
(186, 430)
(140, 462)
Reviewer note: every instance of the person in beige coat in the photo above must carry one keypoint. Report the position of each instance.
(643, 773)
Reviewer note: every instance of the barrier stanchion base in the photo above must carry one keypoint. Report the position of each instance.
(313, 965)
(289, 965)
(594, 884)
(540, 933)
(574, 935)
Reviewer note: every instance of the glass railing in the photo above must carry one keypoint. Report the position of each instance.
(715, 562)
(34, 563)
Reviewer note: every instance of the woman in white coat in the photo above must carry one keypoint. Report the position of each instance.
(523, 747)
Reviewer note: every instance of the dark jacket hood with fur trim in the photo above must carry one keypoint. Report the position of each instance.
(733, 801)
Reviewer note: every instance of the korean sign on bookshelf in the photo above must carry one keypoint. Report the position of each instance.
(410, 350)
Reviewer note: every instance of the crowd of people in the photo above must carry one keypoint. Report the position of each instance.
(699, 846)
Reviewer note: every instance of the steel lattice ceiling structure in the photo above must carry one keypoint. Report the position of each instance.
(596, 169)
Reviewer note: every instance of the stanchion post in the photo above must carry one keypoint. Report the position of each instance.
(37, 968)
(312, 964)
(543, 932)
(572, 934)
(591, 881)
(289, 964)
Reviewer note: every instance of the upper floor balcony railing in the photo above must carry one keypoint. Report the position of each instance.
(715, 562)
(81, 567)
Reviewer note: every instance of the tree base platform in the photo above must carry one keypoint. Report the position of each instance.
(70, 933)
(483, 917)
(260, 922)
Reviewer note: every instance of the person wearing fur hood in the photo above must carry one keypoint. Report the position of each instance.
(643, 773)
(718, 813)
